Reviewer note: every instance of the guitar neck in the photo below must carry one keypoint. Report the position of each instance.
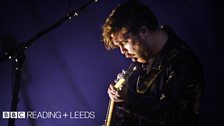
(111, 103)
(118, 85)
(109, 113)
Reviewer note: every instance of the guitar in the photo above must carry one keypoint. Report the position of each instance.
(119, 83)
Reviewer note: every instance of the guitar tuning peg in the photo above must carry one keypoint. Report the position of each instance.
(115, 81)
(123, 71)
(120, 88)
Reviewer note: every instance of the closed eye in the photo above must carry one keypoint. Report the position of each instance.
(121, 43)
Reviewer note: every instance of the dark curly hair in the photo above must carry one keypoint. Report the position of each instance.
(130, 15)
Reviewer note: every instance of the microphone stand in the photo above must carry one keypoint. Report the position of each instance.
(18, 55)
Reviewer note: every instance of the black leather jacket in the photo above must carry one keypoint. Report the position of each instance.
(173, 98)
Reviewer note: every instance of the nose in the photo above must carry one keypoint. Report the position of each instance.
(123, 49)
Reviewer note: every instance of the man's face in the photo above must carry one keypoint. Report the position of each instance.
(133, 48)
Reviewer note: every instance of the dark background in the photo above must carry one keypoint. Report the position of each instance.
(69, 69)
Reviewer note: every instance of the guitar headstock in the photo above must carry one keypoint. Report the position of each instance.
(123, 76)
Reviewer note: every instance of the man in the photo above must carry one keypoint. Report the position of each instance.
(166, 91)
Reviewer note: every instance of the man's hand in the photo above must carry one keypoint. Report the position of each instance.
(118, 95)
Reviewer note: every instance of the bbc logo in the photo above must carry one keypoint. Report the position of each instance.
(12, 114)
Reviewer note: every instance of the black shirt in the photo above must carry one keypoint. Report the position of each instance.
(167, 95)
